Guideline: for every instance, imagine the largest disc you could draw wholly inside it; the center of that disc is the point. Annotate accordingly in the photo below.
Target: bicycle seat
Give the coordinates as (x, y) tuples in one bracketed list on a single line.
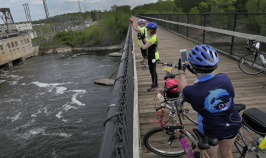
[(204, 141), (240, 107), (255, 120)]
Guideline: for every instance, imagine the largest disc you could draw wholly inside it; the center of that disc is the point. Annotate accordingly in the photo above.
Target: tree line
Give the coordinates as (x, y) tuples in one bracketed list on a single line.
[(108, 28), (201, 6)]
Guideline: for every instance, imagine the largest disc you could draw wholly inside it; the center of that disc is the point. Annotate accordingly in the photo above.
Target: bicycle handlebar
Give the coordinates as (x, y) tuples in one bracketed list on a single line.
[(252, 47), (168, 64)]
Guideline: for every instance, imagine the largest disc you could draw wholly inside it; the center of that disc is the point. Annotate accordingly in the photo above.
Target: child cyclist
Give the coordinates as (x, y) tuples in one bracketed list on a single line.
[(152, 50), (142, 30), (212, 96)]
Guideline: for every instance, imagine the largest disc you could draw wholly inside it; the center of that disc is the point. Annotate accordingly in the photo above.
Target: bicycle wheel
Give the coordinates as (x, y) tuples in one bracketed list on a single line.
[(251, 65), (193, 114), (247, 144), (157, 140)]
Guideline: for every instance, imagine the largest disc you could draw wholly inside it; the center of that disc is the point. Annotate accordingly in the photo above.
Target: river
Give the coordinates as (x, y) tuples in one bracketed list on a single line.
[(50, 106)]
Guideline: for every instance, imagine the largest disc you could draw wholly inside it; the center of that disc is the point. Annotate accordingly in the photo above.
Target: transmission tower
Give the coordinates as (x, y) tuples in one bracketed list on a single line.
[(46, 9), (85, 8), (79, 6), (27, 11), (6, 17)]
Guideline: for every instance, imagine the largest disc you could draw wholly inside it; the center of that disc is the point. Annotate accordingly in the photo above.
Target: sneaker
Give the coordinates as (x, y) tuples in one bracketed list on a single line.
[(145, 67), (152, 89), (155, 86)]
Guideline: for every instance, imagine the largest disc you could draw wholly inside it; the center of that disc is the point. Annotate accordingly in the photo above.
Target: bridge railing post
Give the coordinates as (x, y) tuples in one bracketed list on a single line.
[(233, 37), (187, 23), (204, 32)]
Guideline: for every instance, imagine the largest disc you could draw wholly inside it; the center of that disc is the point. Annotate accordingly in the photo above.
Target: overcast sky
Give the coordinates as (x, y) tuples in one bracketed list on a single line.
[(56, 7)]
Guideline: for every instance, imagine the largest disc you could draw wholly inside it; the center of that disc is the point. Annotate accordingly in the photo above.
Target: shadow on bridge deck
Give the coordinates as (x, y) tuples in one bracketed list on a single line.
[(248, 88)]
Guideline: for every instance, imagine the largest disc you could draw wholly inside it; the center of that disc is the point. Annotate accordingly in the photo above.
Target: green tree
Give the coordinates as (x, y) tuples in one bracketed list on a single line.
[(203, 7), (256, 5), (221, 5), (158, 7), (187, 5), (94, 15), (240, 5), (194, 10)]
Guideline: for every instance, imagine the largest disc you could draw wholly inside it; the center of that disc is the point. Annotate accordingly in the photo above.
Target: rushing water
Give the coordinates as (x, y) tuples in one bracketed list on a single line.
[(50, 106)]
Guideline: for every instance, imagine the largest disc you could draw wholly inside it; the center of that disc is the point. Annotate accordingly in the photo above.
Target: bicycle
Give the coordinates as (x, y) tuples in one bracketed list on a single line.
[(252, 136), (254, 63), (170, 138), (168, 96)]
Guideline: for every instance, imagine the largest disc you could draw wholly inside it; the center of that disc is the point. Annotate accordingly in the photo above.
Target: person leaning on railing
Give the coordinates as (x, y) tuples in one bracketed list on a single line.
[(212, 96), (141, 29), (151, 46)]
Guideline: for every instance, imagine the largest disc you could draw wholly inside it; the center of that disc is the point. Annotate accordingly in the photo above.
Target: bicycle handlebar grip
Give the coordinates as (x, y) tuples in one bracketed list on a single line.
[(171, 88)]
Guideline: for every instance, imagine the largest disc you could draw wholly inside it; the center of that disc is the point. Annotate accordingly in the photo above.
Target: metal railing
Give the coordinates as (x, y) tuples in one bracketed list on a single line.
[(118, 135), (225, 31)]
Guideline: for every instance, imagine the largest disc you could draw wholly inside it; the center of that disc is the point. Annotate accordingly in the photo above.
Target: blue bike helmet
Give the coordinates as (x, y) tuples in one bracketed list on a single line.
[(203, 58), (152, 25)]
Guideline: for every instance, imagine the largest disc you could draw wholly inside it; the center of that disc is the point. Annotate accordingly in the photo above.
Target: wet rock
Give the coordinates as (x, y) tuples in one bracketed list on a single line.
[(105, 81), (108, 81), (115, 54), (50, 51), (63, 50)]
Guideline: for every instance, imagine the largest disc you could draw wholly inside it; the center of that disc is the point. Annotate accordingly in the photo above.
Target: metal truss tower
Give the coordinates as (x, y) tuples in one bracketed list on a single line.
[(27, 11), (46, 9), (79, 6), (6, 17)]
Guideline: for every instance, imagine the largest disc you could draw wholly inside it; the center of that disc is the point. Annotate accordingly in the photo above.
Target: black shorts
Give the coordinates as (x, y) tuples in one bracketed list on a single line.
[(230, 137), (144, 53)]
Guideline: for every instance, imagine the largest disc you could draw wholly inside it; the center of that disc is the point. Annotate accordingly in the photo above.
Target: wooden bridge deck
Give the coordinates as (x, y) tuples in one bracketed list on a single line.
[(248, 88)]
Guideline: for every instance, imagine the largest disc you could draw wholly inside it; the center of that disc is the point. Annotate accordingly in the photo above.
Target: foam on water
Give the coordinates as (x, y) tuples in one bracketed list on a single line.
[(74, 97), (103, 66), (14, 118), (60, 90)]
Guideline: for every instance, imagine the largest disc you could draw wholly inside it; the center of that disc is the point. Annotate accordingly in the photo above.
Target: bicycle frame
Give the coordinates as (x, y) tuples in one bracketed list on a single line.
[(178, 108)]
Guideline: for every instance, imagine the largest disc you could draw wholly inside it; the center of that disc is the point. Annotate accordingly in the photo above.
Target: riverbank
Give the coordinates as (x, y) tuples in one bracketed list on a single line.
[(64, 49)]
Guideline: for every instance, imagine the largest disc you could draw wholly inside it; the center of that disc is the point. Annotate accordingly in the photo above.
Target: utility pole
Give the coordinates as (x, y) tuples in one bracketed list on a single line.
[(80, 14)]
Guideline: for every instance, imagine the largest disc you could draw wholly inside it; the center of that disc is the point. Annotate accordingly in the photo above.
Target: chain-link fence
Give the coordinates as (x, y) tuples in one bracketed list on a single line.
[(118, 135), (200, 28)]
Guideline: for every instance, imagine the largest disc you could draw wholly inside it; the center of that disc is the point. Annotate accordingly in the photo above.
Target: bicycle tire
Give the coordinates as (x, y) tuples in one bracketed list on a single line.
[(248, 65), (247, 146), (156, 140)]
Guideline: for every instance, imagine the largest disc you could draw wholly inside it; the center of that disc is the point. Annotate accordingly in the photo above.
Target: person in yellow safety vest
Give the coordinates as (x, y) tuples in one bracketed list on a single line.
[(153, 55), (142, 30)]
